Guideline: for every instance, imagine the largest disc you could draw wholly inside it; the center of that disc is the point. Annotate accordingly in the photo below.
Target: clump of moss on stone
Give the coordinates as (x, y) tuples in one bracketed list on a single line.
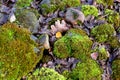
[(17, 56), (105, 2), (89, 10), (88, 70), (116, 69), (103, 32), (45, 74), (113, 17), (74, 44), (51, 5)]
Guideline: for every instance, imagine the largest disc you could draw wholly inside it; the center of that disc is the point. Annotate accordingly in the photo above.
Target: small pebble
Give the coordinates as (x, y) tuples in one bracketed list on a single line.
[(94, 56)]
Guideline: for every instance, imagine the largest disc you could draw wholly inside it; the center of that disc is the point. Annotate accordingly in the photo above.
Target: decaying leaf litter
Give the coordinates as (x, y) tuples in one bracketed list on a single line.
[(64, 32)]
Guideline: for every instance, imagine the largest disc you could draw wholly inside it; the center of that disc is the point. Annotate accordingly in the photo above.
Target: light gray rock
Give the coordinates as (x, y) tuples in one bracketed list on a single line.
[(74, 15)]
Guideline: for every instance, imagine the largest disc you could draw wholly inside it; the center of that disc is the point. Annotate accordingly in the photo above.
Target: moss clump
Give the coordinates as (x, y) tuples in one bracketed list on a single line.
[(113, 17), (74, 44), (88, 70), (46, 58), (51, 5), (89, 10), (23, 3), (103, 32), (102, 53), (17, 56), (105, 2), (114, 42), (45, 74), (116, 69)]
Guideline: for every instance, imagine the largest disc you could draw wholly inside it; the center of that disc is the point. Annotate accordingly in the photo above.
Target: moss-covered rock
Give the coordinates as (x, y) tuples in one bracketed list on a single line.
[(116, 69), (89, 10), (113, 17), (49, 6), (105, 2), (26, 18), (17, 56), (88, 70), (45, 74), (103, 32), (74, 44)]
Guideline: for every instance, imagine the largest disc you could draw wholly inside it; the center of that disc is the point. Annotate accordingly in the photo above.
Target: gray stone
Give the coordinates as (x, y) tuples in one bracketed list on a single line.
[(74, 15)]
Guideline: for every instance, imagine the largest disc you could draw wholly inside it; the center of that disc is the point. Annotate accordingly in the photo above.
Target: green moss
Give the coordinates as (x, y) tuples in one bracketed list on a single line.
[(89, 10), (23, 3), (114, 42), (17, 56), (62, 48), (105, 2), (46, 58), (45, 74), (66, 73), (53, 5), (113, 17), (74, 44), (116, 69), (103, 54), (103, 32), (88, 70)]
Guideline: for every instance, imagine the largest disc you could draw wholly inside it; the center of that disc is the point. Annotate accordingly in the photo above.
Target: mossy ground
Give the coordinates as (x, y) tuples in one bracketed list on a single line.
[(23, 3), (89, 10), (17, 56), (88, 70), (45, 74), (105, 2), (116, 69), (112, 18), (54, 5)]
